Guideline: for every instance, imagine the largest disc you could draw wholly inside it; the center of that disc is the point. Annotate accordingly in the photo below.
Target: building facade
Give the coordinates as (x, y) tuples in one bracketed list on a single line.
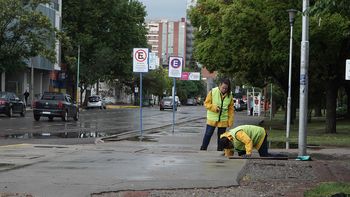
[(41, 75), (167, 38)]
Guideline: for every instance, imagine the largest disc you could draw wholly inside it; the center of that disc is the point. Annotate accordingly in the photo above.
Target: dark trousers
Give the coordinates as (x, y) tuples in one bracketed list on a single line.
[(263, 150), (207, 136)]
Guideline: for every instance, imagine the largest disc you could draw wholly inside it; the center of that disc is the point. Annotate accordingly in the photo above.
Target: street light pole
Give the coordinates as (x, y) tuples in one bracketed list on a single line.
[(291, 13), (78, 69), (304, 64)]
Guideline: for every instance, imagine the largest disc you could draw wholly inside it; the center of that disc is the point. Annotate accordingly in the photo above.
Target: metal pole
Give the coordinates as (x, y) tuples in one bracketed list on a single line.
[(174, 81), (31, 82), (289, 100), (271, 104), (78, 70), (253, 113), (141, 132), (304, 64)]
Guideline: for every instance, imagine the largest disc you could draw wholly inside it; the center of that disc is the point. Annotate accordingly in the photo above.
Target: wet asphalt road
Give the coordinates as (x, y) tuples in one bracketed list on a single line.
[(91, 124)]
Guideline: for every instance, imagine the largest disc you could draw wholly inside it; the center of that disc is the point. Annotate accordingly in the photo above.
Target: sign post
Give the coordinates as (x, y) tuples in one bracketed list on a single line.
[(175, 71), (347, 70), (140, 64)]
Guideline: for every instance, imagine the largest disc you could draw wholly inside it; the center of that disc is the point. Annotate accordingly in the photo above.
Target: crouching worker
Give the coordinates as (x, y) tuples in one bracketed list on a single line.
[(243, 139)]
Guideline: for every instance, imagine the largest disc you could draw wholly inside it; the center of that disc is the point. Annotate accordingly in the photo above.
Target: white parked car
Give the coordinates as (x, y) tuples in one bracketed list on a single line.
[(110, 100), (96, 101)]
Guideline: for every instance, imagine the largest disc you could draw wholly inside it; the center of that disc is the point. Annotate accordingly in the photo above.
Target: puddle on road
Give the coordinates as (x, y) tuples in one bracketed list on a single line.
[(55, 135), (141, 139)]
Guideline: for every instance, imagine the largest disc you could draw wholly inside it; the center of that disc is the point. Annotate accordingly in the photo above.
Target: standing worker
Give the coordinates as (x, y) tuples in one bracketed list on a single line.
[(243, 139), (220, 112)]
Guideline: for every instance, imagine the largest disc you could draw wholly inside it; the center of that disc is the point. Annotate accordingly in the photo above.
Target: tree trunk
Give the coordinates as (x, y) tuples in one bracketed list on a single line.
[(98, 87), (331, 102), (347, 90), (87, 94), (318, 111)]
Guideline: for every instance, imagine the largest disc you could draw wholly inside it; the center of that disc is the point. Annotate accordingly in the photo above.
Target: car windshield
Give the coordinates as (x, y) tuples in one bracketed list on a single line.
[(167, 99), (94, 98), (58, 97)]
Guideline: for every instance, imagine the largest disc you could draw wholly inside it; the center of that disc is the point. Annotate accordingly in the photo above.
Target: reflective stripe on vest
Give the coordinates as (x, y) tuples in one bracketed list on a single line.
[(223, 104)]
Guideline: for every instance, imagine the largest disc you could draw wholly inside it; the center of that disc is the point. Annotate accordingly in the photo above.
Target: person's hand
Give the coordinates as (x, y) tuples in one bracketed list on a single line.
[(246, 156), (218, 109)]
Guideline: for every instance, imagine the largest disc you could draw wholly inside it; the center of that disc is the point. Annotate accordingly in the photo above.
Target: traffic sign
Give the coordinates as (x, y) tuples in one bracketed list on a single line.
[(153, 61), (347, 70), (140, 60), (175, 66), (193, 76)]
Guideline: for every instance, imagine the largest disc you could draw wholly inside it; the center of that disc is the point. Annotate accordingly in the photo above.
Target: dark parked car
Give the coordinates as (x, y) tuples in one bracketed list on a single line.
[(54, 104), (167, 103), (239, 105), (11, 104), (191, 101)]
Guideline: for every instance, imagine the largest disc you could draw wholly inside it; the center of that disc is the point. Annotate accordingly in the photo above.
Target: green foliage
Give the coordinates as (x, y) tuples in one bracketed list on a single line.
[(156, 82), (248, 39), (106, 32), (250, 42), (329, 189), (190, 89), (24, 33)]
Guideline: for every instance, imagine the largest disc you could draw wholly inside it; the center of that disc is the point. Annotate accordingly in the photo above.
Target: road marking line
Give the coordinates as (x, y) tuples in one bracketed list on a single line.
[(14, 145)]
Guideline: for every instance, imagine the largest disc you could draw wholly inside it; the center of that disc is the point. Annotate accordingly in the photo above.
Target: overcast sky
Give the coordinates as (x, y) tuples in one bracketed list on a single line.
[(165, 9)]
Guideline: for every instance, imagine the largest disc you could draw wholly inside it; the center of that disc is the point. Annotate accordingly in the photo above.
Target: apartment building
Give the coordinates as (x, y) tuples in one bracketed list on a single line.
[(167, 38)]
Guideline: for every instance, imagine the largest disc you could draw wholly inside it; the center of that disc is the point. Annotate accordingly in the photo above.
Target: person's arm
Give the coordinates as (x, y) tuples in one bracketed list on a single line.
[(243, 137), (209, 105), (231, 115)]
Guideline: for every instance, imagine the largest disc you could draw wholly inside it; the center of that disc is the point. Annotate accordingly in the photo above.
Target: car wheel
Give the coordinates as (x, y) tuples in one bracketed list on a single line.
[(65, 116), (10, 114), (36, 117), (23, 113), (76, 116), (50, 118), (161, 109)]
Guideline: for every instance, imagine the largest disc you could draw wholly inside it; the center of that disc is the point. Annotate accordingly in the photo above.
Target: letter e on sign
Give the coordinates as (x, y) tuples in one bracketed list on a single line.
[(140, 60), (175, 67)]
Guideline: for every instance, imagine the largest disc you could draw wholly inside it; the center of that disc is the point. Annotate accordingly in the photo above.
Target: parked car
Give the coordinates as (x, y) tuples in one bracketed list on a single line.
[(191, 101), (53, 104), (167, 103), (10, 104), (239, 104), (109, 100), (96, 101), (177, 100)]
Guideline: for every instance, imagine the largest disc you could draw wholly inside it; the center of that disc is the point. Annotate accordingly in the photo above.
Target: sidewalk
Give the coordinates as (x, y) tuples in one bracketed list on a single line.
[(161, 160)]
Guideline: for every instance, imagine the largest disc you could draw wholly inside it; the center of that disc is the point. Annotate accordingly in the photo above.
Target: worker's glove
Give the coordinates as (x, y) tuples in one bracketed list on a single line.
[(245, 156)]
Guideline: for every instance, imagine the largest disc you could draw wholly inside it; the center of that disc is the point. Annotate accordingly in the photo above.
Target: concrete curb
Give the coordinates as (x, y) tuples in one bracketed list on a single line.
[(120, 106)]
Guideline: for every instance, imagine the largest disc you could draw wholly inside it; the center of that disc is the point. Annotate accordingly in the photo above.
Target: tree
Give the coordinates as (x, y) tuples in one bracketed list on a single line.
[(330, 32), (156, 82), (245, 39), (106, 33), (24, 33), (249, 39)]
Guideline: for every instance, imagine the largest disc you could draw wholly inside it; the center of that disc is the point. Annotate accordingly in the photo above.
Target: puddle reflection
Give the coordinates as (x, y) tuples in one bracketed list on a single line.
[(47, 135)]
